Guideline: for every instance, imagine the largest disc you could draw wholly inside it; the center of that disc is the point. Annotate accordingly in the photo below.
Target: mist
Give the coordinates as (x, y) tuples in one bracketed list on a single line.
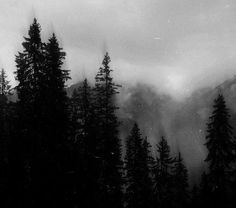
[(175, 46), (126, 103), (163, 52)]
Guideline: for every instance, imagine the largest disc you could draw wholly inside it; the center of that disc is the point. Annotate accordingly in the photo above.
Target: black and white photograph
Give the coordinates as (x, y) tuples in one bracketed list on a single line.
[(117, 103)]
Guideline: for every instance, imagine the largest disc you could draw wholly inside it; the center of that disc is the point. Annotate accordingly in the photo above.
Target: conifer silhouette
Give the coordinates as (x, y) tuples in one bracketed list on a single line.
[(138, 175), (220, 145), (109, 147)]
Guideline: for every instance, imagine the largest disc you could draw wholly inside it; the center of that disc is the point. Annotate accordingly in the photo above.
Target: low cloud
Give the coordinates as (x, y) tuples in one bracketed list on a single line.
[(176, 46)]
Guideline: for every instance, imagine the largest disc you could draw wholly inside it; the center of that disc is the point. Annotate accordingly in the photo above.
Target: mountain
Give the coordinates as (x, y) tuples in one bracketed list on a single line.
[(183, 123)]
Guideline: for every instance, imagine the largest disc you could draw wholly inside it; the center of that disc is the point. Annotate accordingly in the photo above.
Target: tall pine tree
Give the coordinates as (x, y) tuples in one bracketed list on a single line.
[(205, 193), (42, 118), (54, 158), (180, 183), (220, 145), (83, 134), (138, 174), (5, 91), (163, 175), (29, 74), (109, 147), (5, 87), (195, 197), (55, 107)]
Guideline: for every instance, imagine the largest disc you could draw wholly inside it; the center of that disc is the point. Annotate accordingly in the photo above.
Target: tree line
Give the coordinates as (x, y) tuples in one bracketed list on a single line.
[(60, 151)]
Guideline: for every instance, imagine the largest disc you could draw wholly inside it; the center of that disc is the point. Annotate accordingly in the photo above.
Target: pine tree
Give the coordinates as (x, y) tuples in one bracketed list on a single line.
[(5, 90), (73, 116), (133, 175), (86, 123), (205, 194), (83, 132), (5, 87), (54, 160), (109, 148), (55, 101), (29, 71), (163, 175), (220, 145), (180, 183), (29, 74), (148, 163), (195, 197), (85, 112), (139, 184), (42, 117)]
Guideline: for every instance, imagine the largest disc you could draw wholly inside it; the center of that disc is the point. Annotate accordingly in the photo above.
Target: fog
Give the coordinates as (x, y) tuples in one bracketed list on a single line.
[(183, 123), (163, 52), (177, 46)]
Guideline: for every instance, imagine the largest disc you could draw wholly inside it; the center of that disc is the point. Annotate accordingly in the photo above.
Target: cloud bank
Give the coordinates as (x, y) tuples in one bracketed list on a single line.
[(177, 46)]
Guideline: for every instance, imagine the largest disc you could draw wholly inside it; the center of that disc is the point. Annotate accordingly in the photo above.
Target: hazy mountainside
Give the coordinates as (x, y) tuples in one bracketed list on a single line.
[(183, 123), (73, 87)]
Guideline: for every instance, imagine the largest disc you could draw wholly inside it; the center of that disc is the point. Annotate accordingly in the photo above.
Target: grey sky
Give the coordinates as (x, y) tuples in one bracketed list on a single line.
[(175, 45)]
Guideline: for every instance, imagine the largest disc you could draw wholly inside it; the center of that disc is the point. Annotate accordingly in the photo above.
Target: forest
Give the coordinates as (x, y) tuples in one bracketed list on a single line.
[(65, 151)]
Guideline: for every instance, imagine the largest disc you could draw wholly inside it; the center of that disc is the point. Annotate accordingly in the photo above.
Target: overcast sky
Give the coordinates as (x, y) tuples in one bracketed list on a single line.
[(175, 45)]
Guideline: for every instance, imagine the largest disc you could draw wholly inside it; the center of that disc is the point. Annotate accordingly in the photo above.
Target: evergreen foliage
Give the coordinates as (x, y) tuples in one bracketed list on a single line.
[(180, 183), (5, 87), (138, 175), (220, 145), (109, 147), (60, 151), (29, 74), (5, 91), (83, 137), (163, 178)]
